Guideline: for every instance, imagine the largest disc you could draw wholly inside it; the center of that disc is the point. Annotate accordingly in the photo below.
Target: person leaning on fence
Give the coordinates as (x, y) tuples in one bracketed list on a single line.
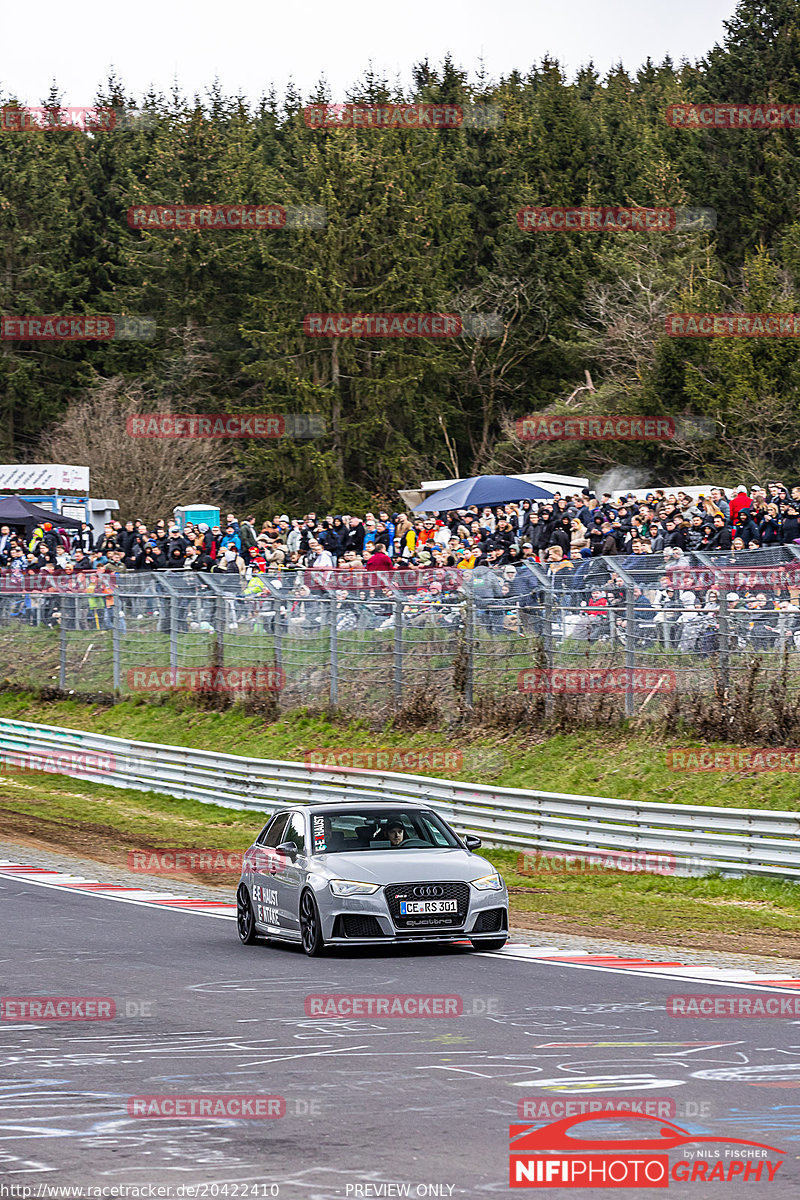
[(559, 568)]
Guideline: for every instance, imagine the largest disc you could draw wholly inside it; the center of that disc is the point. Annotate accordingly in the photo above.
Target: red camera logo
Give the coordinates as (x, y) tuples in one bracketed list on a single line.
[(557, 1156)]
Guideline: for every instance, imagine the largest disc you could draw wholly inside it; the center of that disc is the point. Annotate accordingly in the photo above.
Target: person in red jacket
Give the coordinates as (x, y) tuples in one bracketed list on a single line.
[(740, 500), (379, 561)]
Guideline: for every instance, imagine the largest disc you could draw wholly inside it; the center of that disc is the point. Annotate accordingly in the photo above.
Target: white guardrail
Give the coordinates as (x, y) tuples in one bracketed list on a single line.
[(694, 839)]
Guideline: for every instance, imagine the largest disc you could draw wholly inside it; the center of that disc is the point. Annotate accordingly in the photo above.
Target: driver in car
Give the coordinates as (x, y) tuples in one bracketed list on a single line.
[(396, 833)]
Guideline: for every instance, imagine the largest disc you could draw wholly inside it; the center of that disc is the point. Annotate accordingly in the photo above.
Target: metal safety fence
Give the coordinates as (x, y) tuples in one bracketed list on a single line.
[(637, 628), (683, 839)]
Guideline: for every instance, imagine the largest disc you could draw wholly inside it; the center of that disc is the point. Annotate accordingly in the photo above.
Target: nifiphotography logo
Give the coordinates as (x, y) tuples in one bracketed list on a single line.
[(554, 1156)]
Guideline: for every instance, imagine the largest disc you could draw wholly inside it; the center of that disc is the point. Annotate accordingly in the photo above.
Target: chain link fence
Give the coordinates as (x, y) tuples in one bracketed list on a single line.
[(636, 628)]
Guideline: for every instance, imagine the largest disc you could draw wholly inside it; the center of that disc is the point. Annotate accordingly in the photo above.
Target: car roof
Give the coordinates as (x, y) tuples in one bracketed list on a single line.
[(333, 806)]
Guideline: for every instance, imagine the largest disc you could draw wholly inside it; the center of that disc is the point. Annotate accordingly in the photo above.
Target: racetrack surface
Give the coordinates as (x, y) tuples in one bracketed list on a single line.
[(415, 1102)]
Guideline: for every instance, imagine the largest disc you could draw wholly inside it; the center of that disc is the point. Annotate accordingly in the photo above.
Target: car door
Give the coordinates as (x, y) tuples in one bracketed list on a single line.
[(288, 877), (266, 905)]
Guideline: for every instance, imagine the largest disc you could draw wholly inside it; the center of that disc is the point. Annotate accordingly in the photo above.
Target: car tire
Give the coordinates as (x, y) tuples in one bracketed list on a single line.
[(490, 944), (311, 926), (245, 917)]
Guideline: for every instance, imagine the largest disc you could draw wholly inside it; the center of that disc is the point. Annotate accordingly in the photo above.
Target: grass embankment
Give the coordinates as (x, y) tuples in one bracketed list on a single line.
[(103, 823)]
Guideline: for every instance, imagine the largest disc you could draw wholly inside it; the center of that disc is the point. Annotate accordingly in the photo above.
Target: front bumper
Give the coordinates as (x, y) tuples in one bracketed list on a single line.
[(367, 920)]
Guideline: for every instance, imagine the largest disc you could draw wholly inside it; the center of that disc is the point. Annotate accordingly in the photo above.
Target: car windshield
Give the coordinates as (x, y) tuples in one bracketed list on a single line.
[(378, 829)]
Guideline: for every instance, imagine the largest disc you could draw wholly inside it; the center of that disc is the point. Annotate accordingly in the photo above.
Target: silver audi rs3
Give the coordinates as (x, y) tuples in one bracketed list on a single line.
[(368, 874)]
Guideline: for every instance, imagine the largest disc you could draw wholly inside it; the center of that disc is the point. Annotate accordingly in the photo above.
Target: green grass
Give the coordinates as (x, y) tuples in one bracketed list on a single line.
[(657, 903), (629, 765), (126, 817)]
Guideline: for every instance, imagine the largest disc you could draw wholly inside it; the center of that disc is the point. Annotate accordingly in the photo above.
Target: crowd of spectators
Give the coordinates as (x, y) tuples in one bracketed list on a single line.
[(564, 537), (569, 528)]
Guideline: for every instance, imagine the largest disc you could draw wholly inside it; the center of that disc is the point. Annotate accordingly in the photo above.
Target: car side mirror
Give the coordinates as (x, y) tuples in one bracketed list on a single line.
[(472, 842), (289, 849)]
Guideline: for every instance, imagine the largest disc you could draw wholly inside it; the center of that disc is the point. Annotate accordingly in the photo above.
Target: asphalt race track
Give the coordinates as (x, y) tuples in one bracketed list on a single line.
[(376, 1106)]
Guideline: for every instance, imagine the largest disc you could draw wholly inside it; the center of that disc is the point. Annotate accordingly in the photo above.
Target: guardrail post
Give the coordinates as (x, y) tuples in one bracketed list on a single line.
[(469, 646), (398, 652), (62, 658), (115, 639), (221, 622), (547, 640), (277, 633), (630, 648), (724, 641), (333, 607), (173, 632)]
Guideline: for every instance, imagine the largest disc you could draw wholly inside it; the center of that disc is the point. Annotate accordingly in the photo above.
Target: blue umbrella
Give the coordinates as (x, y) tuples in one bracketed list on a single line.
[(482, 490)]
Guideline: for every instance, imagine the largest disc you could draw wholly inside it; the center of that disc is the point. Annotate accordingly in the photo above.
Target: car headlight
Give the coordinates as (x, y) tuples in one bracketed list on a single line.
[(351, 887), (488, 883)]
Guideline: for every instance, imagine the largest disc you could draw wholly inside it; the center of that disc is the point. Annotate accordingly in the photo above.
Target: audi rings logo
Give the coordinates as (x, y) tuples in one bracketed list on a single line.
[(427, 891)]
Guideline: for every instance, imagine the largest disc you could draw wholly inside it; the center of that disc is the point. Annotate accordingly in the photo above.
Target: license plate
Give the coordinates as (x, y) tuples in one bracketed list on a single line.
[(416, 908)]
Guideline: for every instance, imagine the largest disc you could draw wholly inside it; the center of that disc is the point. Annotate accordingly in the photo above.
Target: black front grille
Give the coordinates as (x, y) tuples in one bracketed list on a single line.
[(355, 926), (490, 921), (433, 890)]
